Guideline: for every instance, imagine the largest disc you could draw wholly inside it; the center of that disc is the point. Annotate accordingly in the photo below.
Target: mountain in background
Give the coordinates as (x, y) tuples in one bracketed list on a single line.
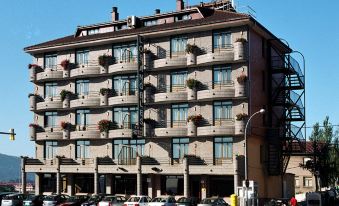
[(10, 170)]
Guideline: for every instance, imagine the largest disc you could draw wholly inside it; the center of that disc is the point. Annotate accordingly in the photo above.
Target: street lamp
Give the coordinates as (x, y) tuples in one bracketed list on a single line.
[(261, 111)]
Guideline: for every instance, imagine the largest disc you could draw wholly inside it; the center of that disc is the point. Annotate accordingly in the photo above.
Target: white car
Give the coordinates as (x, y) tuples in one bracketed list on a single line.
[(112, 201), (138, 201), (163, 201)]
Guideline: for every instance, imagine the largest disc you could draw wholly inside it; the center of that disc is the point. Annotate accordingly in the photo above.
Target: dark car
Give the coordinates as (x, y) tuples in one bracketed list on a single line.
[(93, 200), (187, 201), (15, 199), (3, 194), (213, 201), (54, 200), (75, 200), (34, 200)]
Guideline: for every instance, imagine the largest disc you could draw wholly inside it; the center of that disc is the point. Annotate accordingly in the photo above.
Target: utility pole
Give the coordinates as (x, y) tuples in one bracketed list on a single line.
[(315, 153), (11, 134)]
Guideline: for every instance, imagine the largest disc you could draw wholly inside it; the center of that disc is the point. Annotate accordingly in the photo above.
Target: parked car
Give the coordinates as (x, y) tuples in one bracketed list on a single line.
[(113, 200), (13, 200), (34, 200), (3, 194), (54, 200), (162, 201), (213, 201), (187, 201), (75, 200), (138, 201), (93, 200)]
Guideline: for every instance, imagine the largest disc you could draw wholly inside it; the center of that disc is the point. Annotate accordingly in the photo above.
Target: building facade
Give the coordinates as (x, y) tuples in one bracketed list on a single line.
[(204, 70)]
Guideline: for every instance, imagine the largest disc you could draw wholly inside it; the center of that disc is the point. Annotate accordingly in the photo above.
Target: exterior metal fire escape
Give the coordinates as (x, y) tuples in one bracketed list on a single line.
[(286, 135)]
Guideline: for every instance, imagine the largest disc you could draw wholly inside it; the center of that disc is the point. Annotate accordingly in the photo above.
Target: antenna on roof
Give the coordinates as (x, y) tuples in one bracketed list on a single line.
[(247, 9)]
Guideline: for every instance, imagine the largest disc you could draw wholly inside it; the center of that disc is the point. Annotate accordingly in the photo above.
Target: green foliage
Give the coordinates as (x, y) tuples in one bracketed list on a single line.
[(193, 83), (104, 60), (104, 125), (191, 49), (105, 91), (64, 94)]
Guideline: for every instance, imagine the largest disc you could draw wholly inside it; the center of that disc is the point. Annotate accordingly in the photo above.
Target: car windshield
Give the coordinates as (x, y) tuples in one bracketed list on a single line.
[(30, 197), (72, 199), (133, 199), (110, 198), (10, 197), (159, 199), (184, 199), (208, 201), (50, 198), (94, 198)]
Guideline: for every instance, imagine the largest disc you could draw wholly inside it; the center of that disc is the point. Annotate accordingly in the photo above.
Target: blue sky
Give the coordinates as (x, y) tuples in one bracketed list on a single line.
[(309, 26)]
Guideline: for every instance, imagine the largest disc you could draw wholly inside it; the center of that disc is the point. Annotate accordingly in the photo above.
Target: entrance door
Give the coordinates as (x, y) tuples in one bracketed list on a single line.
[(195, 186)]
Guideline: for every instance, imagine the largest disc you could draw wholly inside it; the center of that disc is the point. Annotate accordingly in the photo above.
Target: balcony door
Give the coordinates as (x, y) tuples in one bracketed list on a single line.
[(222, 112), (50, 149), (125, 117), (178, 81), (222, 76), (125, 85), (125, 53), (179, 115), (178, 46), (222, 40), (82, 150)]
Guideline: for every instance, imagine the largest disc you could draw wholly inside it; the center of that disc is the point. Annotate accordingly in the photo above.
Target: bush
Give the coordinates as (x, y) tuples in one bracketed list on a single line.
[(191, 49), (150, 121), (65, 125), (193, 83), (65, 64), (196, 119), (64, 94), (241, 116), (104, 60), (104, 125), (242, 78), (105, 91)]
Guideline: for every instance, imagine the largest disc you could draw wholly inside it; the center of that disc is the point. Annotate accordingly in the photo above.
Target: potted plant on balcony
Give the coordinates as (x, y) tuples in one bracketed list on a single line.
[(192, 85), (33, 128), (239, 49), (240, 123), (65, 96), (149, 125), (104, 126), (66, 128), (193, 122), (104, 61), (191, 54), (65, 64), (32, 101), (240, 87), (33, 70), (104, 93)]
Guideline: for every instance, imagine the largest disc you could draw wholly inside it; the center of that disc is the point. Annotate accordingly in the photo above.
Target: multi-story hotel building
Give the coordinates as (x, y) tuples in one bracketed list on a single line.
[(203, 71)]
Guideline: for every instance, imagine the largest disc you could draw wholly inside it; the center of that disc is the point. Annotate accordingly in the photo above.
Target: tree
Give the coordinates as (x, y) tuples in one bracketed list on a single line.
[(324, 162)]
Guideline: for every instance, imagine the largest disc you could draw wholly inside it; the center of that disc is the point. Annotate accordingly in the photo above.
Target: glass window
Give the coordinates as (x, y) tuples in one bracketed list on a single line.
[(222, 75), (117, 144), (223, 148), (82, 149), (297, 182), (178, 46), (308, 182), (179, 114), (50, 61), (172, 185), (125, 117), (179, 147), (128, 150), (183, 17), (51, 90), (151, 22), (222, 112), (50, 119), (82, 57), (82, 87), (125, 85), (125, 53), (92, 31), (82, 117), (50, 149), (222, 40), (178, 81)]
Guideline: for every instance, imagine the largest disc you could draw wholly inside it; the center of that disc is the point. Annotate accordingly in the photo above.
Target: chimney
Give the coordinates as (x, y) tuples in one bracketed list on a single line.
[(157, 11), (180, 5), (115, 14)]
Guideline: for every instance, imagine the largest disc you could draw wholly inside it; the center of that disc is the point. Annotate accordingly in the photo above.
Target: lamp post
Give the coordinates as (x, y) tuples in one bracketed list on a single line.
[(261, 111)]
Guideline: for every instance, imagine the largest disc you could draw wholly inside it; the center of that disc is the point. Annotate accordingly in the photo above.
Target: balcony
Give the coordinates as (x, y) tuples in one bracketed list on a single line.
[(92, 99), (215, 90), (171, 129), (124, 65), (123, 100), (50, 134), (50, 103), (174, 61), (49, 75), (92, 68), (216, 56), (219, 128), (85, 132), (124, 130), (174, 93)]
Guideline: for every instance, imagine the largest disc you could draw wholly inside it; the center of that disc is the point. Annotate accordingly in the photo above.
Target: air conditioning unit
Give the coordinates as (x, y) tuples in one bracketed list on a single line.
[(132, 21)]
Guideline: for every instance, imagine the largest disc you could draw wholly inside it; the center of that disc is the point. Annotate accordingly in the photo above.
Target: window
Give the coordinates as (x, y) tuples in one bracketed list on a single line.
[(172, 185), (178, 81), (179, 114), (50, 149), (82, 149), (125, 53), (50, 119), (117, 144), (183, 17), (222, 112), (51, 90), (179, 147), (125, 85), (82, 87), (222, 75), (222, 40), (223, 149), (81, 57), (178, 46), (137, 145), (82, 117), (297, 182), (308, 182), (92, 31), (50, 61), (125, 117), (151, 22), (120, 27)]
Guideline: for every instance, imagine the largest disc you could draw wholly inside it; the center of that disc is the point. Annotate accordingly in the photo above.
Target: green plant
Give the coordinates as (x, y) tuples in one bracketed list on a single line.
[(191, 49), (105, 91), (65, 94), (65, 125), (242, 40), (35, 126), (193, 83), (150, 86), (150, 121), (196, 119), (104, 125), (242, 78), (104, 60), (65, 64), (241, 116)]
